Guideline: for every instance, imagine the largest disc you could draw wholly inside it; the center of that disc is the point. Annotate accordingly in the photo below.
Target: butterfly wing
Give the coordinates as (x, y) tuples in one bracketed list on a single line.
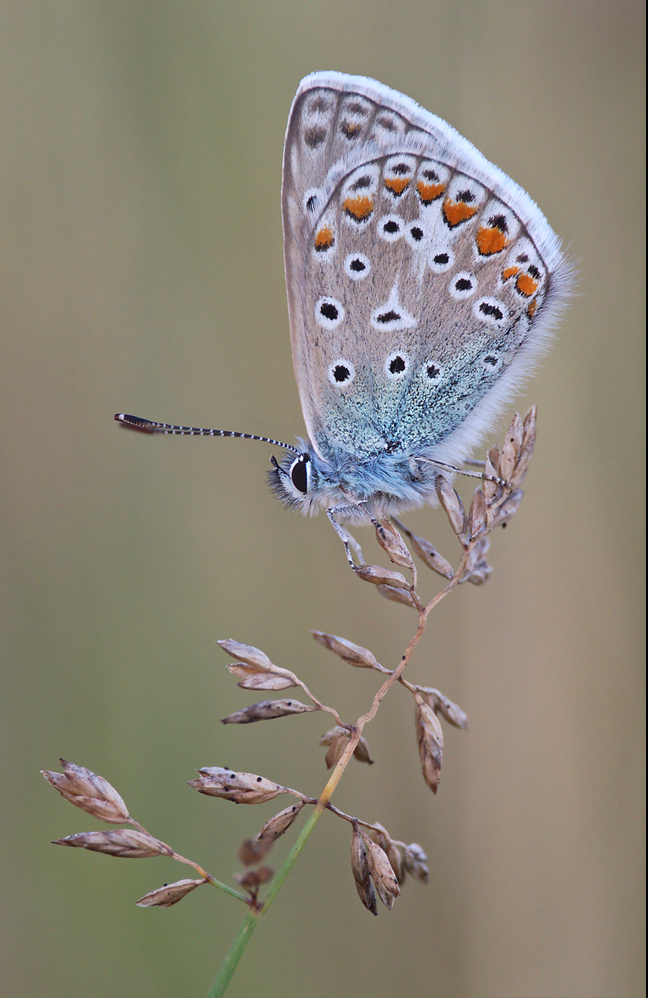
[(421, 279)]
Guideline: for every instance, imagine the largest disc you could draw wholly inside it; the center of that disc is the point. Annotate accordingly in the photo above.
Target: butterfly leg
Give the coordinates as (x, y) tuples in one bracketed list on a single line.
[(347, 539), (465, 472)]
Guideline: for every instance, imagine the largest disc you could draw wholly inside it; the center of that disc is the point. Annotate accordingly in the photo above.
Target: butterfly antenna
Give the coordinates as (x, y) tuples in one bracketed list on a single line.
[(150, 426)]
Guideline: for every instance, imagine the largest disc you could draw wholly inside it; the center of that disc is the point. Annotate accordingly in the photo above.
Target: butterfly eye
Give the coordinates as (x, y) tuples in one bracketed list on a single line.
[(299, 473)]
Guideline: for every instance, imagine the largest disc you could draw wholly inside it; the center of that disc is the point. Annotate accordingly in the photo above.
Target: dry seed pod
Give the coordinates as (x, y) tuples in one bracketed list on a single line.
[(480, 574), (526, 449), (477, 568), (260, 680), (395, 857), (508, 467), (397, 595), (266, 710), (361, 751), (248, 654), (394, 850), (241, 788), (441, 704), (379, 576), (170, 894), (378, 834), (280, 822), (392, 542), (251, 880), (476, 553), (490, 488), (415, 862), (252, 851), (336, 739), (509, 454), (430, 742), (493, 458), (90, 792), (522, 466), (431, 557), (508, 509), (452, 504), (347, 650), (382, 873), (477, 513), (361, 875), (515, 434), (126, 843), (529, 427)]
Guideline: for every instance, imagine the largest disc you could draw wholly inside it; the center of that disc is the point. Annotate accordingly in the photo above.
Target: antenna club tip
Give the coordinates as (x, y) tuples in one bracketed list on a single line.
[(133, 422)]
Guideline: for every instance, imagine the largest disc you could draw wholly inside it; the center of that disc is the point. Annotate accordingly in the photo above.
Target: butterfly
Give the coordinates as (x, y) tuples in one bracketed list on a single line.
[(422, 284)]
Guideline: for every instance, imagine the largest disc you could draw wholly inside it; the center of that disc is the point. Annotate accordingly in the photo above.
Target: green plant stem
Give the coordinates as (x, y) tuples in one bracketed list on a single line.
[(237, 949), (239, 944), (233, 955)]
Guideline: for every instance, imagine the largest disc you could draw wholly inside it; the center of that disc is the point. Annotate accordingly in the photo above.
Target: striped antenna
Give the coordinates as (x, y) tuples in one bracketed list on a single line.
[(149, 426)]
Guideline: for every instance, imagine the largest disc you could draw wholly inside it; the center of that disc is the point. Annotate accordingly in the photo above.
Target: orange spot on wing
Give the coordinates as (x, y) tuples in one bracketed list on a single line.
[(397, 184), (429, 192), (510, 272), (531, 309), (490, 241), (324, 239), (359, 208), (350, 129), (456, 212), (526, 285)]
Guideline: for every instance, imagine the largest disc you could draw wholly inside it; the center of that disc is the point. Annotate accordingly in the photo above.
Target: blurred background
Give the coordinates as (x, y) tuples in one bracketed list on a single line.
[(142, 271)]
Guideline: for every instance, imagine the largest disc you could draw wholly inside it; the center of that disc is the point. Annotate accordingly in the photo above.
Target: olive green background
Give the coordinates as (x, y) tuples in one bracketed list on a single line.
[(142, 270)]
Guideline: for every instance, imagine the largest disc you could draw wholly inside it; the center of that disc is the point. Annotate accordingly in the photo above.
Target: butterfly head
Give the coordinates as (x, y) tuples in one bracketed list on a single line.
[(293, 481)]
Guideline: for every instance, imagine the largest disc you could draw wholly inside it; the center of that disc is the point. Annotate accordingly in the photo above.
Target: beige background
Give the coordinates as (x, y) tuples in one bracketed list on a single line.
[(142, 270)]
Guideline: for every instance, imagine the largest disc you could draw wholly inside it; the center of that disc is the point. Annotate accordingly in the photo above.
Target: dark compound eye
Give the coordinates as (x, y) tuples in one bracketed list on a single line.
[(299, 473)]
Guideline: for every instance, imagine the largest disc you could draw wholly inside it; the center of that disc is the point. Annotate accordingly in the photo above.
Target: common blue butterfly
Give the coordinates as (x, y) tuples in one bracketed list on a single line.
[(422, 284)]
